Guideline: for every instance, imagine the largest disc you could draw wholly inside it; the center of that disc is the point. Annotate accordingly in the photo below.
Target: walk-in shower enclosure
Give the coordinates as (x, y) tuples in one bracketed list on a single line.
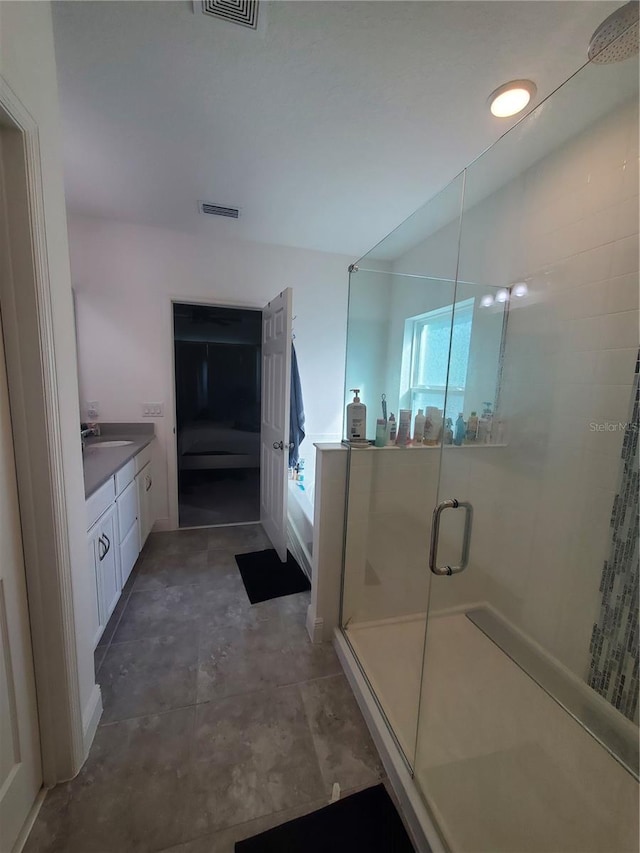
[(510, 685)]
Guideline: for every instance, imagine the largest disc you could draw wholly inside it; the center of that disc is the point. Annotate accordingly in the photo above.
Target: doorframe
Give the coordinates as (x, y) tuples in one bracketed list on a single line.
[(172, 437), (33, 390)]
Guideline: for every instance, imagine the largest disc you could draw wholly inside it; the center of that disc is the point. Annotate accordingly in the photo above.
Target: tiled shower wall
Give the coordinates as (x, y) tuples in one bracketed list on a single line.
[(569, 370)]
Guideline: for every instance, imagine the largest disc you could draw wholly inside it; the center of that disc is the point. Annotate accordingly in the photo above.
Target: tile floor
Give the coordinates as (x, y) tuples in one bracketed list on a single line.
[(220, 720)]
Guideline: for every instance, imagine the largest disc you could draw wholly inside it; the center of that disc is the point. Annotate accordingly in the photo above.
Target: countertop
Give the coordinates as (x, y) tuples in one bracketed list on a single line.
[(100, 464)]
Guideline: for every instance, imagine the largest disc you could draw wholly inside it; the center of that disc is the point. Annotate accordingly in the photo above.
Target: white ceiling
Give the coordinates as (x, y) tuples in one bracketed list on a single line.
[(327, 128)]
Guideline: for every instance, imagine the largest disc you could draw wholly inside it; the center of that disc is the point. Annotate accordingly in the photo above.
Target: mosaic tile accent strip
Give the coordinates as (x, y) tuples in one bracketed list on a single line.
[(614, 640)]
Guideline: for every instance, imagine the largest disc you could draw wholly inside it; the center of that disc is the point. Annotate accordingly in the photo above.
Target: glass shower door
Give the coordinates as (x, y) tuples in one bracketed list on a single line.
[(527, 732), (398, 333)]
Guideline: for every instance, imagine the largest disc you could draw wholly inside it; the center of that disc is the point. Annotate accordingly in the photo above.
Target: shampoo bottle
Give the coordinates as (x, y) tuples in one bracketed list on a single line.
[(472, 427), (418, 427), (404, 428), (392, 429), (381, 432), (448, 432), (460, 430), (356, 420)]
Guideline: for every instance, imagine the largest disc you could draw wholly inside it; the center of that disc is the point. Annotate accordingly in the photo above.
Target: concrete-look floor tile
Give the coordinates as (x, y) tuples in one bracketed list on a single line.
[(271, 652), (253, 755), (176, 542), (113, 805), (225, 604), (239, 539), (158, 571), (114, 619), (159, 613), (149, 676), (285, 605), (345, 750), (224, 840)]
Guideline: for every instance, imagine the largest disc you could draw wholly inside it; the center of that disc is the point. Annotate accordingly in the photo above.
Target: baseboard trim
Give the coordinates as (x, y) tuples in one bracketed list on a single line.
[(315, 626), (162, 525), (91, 718)]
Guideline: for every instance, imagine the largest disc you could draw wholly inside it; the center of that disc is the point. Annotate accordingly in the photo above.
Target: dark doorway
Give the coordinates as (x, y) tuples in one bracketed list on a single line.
[(217, 370)]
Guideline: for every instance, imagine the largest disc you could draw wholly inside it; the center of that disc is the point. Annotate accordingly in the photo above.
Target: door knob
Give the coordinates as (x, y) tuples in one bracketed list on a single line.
[(278, 445)]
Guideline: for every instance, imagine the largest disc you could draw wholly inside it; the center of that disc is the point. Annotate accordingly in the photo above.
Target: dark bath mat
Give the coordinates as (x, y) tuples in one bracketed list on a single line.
[(265, 577), (367, 821)]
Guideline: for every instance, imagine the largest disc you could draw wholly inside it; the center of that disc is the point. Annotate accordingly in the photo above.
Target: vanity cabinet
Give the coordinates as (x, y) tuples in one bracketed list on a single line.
[(119, 519), (103, 557)]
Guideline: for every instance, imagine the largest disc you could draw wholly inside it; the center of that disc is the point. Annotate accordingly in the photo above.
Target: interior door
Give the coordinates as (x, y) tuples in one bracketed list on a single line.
[(276, 398), (20, 768)]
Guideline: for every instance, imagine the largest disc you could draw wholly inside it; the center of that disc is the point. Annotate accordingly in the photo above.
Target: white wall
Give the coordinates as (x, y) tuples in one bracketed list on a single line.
[(124, 277), (27, 63)]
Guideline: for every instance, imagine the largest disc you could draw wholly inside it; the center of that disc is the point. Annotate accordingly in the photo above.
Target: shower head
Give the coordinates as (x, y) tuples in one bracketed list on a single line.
[(617, 36)]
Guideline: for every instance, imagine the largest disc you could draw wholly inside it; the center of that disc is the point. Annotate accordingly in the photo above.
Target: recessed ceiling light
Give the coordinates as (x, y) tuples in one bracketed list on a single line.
[(511, 98)]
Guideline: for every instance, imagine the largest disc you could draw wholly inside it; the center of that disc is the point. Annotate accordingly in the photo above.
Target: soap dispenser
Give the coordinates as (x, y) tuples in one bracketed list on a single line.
[(356, 420)]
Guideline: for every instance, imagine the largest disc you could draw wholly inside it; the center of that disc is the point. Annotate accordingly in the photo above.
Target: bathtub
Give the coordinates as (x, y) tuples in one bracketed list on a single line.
[(300, 523)]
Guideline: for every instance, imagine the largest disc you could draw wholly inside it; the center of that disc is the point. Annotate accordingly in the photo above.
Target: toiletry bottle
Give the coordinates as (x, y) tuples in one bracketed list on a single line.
[(484, 424), (460, 431), (404, 428), (418, 427), (356, 419), (381, 432), (433, 427), (472, 427), (392, 429), (448, 432)]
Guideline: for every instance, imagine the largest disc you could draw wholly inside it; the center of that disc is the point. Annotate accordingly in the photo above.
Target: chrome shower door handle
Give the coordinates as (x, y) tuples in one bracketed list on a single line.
[(435, 535)]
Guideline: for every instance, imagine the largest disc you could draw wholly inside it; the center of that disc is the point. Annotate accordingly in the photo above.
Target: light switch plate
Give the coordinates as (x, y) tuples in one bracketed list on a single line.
[(93, 410), (153, 410)]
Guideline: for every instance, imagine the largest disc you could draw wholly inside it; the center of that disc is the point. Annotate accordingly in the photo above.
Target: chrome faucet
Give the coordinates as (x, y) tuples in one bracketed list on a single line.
[(87, 430)]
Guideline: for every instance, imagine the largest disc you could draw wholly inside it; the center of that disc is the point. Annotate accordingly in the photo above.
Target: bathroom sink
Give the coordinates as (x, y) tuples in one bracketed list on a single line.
[(111, 444)]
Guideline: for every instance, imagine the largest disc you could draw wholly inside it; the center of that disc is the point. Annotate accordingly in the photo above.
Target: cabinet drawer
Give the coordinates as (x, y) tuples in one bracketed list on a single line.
[(127, 504), (99, 502), (125, 476), (143, 458)]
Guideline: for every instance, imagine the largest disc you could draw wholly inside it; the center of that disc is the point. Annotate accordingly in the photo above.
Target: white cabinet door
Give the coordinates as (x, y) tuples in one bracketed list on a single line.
[(106, 563), (127, 504), (144, 481), (96, 622), (128, 530), (129, 550), (276, 398)]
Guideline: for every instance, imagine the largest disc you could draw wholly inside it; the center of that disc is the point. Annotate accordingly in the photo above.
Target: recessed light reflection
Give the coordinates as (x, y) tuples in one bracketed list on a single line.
[(502, 295), (520, 289), (487, 301)]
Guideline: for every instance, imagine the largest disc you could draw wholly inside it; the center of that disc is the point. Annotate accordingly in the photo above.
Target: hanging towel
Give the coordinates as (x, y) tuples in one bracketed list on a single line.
[(296, 413)]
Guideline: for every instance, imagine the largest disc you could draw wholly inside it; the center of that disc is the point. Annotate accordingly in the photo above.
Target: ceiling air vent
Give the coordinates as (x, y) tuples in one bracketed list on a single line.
[(218, 210), (243, 12)]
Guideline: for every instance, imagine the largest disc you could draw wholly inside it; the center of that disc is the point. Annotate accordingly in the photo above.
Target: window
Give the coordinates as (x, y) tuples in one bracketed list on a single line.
[(430, 360)]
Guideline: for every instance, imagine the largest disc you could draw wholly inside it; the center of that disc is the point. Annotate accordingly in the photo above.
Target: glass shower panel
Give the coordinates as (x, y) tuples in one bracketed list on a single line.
[(399, 326), (528, 734)]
